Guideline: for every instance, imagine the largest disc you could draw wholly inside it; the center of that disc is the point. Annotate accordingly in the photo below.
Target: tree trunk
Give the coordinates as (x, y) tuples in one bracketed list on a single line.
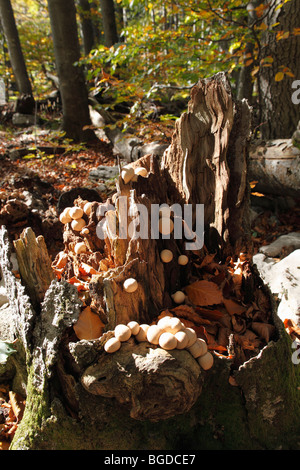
[(16, 56), (71, 78), (274, 166), (245, 82), (144, 396), (109, 22), (86, 26), (279, 116)]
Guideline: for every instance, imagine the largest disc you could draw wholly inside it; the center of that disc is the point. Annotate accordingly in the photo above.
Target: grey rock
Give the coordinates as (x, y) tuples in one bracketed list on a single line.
[(104, 173), (6, 322), (155, 148), (283, 279), (25, 120), (290, 242)]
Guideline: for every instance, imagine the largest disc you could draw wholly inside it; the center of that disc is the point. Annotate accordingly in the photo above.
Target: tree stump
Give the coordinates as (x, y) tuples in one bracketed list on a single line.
[(144, 396)]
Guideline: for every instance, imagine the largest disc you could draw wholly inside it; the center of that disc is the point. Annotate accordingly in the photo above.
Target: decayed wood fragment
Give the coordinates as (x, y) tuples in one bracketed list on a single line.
[(206, 161), (34, 265)]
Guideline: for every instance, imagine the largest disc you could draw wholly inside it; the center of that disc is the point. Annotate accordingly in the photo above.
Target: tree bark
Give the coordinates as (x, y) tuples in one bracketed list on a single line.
[(16, 55), (274, 167), (279, 116), (86, 26), (109, 22), (144, 397), (71, 77)]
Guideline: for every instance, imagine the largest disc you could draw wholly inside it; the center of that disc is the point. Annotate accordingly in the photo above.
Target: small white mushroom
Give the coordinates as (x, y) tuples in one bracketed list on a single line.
[(87, 209), (127, 174), (130, 285), (153, 334), (84, 231), (206, 361), (166, 226), (174, 325), (178, 297), (67, 211), (65, 218), (199, 348), (76, 212), (142, 334), (80, 248), (167, 341), (112, 345), (191, 335), (134, 326), (78, 224), (182, 339), (166, 256), (183, 260), (164, 321), (122, 332)]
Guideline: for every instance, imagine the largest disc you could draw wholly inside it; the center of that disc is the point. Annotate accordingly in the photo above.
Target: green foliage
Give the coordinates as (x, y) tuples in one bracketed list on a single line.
[(178, 43), (166, 42)]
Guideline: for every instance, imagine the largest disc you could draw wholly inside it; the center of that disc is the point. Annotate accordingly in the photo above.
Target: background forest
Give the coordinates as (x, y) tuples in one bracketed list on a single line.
[(138, 56)]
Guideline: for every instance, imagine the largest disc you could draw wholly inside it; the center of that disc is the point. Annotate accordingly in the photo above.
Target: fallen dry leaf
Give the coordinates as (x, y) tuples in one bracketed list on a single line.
[(204, 293), (264, 330), (17, 403), (212, 315), (4, 445), (78, 283), (187, 312), (232, 307), (292, 329), (207, 260), (89, 325), (86, 269)]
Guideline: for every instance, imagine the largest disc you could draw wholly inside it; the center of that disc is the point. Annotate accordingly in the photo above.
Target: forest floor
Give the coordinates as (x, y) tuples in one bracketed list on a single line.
[(36, 180)]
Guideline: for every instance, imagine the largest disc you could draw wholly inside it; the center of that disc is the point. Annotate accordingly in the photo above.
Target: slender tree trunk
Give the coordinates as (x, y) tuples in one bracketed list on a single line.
[(86, 25), (109, 22), (15, 52), (245, 85), (279, 115), (71, 77)]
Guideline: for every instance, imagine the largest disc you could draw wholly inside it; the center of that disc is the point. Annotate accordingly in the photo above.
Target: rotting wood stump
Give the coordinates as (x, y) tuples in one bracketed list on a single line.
[(78, 396)]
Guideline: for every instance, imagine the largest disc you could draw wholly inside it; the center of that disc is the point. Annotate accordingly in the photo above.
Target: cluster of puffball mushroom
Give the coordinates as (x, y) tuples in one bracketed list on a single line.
[(74, 216), (168, 333)]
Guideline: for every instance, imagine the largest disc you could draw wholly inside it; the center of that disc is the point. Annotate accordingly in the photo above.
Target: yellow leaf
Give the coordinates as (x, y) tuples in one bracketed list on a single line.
[(279, 76), (263, 27), (254, 71)]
